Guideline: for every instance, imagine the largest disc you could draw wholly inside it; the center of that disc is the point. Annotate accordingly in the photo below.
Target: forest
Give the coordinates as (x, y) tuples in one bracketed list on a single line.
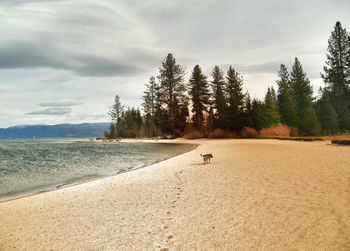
[(174, 106)]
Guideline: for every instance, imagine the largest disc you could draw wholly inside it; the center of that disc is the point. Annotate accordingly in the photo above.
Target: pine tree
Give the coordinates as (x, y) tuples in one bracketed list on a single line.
[(149, 105), (302, 94), (210, 120), (115, 113), (199, 94), (247, 103), (327, 115), (235, 98), (248, 108), (337, 74), (219, 102), (112, 131), (257, 114), (172, 90), (116, 110), (181, 115), (286, 105), (270, 112), (130, 123)]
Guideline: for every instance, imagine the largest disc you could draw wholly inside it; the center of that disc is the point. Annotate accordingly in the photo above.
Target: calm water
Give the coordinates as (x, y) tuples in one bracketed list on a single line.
[(28, 166)]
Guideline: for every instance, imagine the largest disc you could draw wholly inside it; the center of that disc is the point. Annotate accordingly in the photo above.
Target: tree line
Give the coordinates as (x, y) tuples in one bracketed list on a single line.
[(174, 106)]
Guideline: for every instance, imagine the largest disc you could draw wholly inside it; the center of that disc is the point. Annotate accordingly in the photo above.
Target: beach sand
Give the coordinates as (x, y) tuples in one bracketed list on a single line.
[(255, 195)]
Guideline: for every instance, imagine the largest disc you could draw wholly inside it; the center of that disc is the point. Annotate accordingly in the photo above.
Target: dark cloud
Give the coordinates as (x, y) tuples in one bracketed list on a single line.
[(89, 39), (52, 111), (102, 67), (16, 55)]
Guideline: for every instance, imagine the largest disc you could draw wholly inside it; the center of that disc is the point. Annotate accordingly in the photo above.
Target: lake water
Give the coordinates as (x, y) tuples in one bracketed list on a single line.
[(28, 166)]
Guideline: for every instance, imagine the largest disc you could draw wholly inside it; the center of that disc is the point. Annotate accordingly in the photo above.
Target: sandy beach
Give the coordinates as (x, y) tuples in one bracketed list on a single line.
[(254, 195)]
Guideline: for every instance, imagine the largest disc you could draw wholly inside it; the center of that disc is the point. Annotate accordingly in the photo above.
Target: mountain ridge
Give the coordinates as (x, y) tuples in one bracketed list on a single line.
[(54, 131)]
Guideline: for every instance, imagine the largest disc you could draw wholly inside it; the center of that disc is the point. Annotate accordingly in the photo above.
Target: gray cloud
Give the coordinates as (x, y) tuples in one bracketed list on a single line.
[(16, 55), (96, 49), (63, 102), (99, 66), (86, 38), (52, 111), (20, 54), (19, 2), (60, 103), (268, 67)]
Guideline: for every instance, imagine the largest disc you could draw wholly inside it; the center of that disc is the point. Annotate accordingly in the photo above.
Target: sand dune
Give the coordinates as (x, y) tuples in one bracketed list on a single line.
[(255, 195)]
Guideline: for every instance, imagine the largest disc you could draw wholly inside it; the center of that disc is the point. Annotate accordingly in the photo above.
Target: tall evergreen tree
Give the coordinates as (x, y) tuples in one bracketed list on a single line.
[(116, 110), (286, 105), (302, 94), (112, 131), (181, 115), (235, 98), (199, 94), (210, 120), (248, 108), (247, 102), (130, 123), (270, 113), (326, 114), (115, 114), (149, 105), (337, 74), (257, 114), (219, 101), (172, 89)]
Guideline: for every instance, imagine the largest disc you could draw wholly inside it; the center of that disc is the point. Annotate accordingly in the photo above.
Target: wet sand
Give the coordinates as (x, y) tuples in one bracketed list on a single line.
[(255, 195)]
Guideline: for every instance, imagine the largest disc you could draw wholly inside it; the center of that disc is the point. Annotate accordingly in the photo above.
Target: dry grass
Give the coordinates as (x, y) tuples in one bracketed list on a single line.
[(295, 138), (280, 130), (345, 136)]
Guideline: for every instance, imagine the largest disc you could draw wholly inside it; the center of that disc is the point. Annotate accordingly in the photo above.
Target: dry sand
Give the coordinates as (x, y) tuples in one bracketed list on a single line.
[(255, 195)]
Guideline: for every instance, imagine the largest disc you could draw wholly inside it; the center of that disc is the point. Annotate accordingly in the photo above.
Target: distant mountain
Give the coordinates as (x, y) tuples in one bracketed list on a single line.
[(54, 131)]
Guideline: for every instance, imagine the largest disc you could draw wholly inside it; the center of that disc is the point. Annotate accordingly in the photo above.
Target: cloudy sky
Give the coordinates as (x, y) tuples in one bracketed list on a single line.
[(64, 61)]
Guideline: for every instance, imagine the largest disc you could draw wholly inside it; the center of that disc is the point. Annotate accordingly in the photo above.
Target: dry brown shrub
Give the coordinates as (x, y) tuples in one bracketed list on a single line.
[(195, 134), (248, 132), (217, 133), (221, 134), (280, 130)]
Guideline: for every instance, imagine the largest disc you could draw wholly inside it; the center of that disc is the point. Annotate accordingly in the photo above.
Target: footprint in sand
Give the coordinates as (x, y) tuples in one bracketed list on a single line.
[(163, 249)]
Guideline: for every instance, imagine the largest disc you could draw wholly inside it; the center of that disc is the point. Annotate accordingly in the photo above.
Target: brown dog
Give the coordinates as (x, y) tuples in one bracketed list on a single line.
[(207, 157)]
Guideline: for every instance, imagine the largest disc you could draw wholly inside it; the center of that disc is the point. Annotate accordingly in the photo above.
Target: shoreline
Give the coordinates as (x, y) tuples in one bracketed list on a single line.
[(254, 194), (95, 177)]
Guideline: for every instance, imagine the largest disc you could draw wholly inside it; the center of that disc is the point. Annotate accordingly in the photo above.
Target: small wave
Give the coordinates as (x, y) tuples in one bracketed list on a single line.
[(56, 163)]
